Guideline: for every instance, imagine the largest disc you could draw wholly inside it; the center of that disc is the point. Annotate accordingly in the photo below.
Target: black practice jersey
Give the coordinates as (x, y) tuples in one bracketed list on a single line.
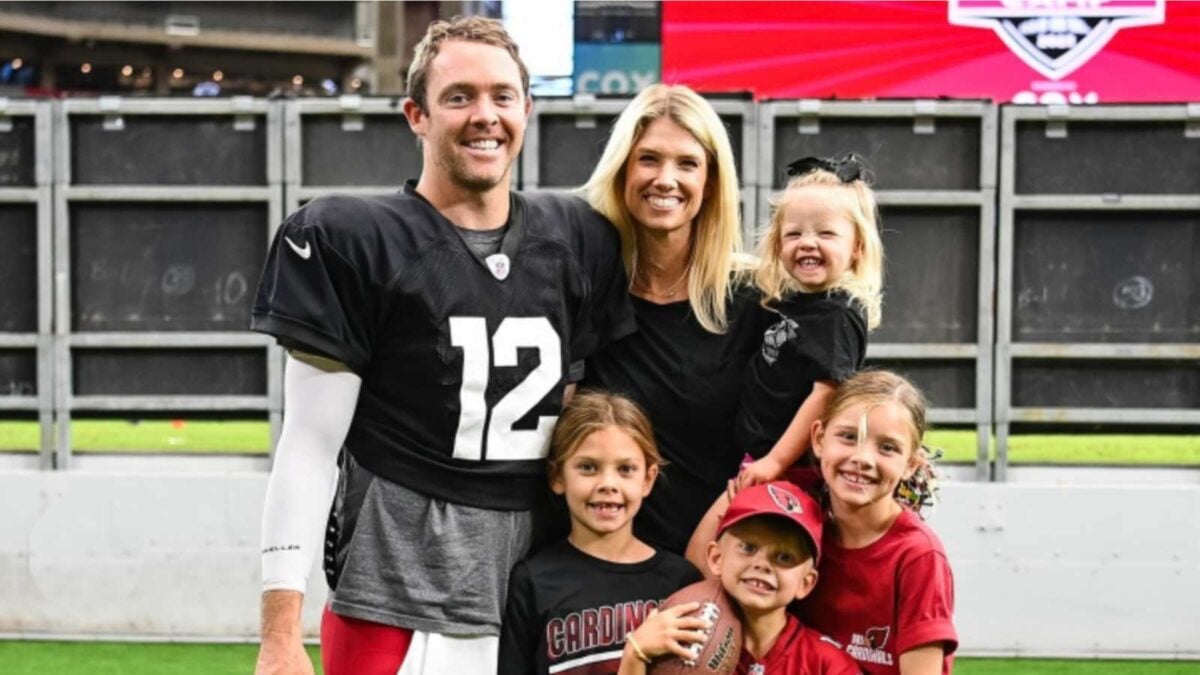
[(462, 358), (817, 336), (689, 381), (570, 611)]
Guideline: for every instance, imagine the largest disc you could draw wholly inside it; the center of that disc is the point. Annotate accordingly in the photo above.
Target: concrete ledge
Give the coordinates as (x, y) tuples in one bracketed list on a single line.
[(1045, 568)]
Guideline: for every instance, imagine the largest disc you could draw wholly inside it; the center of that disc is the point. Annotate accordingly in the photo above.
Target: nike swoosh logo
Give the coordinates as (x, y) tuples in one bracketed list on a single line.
[(302, 251)]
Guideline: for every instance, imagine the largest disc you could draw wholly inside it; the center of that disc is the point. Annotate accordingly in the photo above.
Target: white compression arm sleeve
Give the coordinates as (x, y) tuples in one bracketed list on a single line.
[(318, 407)]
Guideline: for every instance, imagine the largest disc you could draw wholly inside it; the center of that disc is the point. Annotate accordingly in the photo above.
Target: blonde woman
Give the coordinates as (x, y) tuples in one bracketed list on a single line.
[(667, 182)]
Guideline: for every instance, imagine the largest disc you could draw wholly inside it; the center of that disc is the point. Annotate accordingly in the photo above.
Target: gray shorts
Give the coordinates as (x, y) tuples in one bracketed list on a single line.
[(422, 563)]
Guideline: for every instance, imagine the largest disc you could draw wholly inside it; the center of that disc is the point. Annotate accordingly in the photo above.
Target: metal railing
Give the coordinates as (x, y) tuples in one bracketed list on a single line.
[(27, 217), (1099, 220), (935, 176), (150, 219), (138, 288)]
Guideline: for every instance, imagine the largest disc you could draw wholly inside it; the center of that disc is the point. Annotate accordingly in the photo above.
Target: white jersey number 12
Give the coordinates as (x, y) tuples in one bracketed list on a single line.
[(504, 442)]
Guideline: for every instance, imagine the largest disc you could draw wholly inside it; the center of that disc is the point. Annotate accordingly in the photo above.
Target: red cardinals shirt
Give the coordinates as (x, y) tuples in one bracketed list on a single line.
[(799, 651), (887, 598)]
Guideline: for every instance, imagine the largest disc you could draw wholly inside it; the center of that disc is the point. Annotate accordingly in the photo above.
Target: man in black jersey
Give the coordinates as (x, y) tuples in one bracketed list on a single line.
[(430, 337)]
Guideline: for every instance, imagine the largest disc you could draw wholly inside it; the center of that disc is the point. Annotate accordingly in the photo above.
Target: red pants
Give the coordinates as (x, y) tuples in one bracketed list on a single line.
[(356, 647)]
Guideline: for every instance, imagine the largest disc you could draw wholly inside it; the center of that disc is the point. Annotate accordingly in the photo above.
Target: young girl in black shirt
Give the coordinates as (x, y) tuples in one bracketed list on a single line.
[(822, 274), (571, 606)]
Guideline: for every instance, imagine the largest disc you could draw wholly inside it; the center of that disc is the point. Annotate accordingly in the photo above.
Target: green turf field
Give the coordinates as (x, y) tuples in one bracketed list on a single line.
[(182, 436), (1120, 449), (253, 437), (108, 658), (1073, 667), (133, 658)]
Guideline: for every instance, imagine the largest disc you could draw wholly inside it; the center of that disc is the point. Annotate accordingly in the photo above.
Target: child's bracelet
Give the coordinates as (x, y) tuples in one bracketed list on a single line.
[(637, 649)]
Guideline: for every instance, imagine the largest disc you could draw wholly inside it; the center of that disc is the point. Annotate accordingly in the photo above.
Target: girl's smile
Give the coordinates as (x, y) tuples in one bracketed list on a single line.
[(865, 451), (604, 482), (817, 242)]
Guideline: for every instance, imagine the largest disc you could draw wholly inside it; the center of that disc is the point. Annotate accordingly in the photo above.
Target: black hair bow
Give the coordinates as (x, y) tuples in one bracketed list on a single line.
[(848, 168)]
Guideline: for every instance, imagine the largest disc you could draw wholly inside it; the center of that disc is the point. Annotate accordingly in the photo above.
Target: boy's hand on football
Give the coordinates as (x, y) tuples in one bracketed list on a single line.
[(670, 630)]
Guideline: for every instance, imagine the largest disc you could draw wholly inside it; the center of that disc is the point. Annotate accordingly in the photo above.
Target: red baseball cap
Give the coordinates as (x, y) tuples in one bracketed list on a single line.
[(782, 499)]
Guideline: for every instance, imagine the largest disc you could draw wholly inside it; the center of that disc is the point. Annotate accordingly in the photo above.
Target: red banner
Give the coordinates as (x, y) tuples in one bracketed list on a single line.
[(1025, 51)]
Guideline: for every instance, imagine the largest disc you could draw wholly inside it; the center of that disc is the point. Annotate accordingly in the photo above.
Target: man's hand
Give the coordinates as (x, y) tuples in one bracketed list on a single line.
[(282, 649), (278, 656)]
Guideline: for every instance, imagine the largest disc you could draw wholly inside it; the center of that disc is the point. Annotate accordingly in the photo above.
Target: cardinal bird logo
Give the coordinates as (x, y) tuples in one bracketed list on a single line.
[(785, 500), (877, 637)]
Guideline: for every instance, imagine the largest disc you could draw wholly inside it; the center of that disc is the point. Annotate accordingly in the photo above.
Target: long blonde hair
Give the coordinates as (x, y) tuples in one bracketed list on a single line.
[(863, 281), (716, 233)]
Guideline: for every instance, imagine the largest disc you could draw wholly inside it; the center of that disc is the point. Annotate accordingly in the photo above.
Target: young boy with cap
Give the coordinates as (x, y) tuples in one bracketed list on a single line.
[(765, 554)]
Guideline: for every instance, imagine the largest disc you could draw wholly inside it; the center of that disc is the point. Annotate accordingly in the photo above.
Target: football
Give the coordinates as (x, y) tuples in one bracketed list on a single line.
[(718, 655)]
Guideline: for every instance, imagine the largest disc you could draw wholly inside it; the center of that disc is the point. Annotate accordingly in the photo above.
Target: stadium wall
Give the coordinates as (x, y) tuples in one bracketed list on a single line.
[(1046, 565)]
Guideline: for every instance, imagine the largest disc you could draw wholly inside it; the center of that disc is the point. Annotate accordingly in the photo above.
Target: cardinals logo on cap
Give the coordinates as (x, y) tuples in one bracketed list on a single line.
[(785, 500)]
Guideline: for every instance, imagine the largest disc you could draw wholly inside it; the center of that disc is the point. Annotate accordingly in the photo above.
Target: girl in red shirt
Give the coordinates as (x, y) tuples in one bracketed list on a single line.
[(886, 590)]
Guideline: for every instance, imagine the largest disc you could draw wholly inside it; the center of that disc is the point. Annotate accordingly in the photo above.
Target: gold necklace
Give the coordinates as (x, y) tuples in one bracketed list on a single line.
[(670, 292)]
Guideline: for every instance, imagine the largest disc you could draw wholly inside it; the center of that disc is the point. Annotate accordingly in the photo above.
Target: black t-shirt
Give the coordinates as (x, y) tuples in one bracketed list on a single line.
[(462, 357), (689, 381), (571, 611), (816, 336)]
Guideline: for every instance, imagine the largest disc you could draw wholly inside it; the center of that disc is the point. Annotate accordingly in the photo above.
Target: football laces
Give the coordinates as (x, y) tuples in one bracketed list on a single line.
[(711, 612)]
